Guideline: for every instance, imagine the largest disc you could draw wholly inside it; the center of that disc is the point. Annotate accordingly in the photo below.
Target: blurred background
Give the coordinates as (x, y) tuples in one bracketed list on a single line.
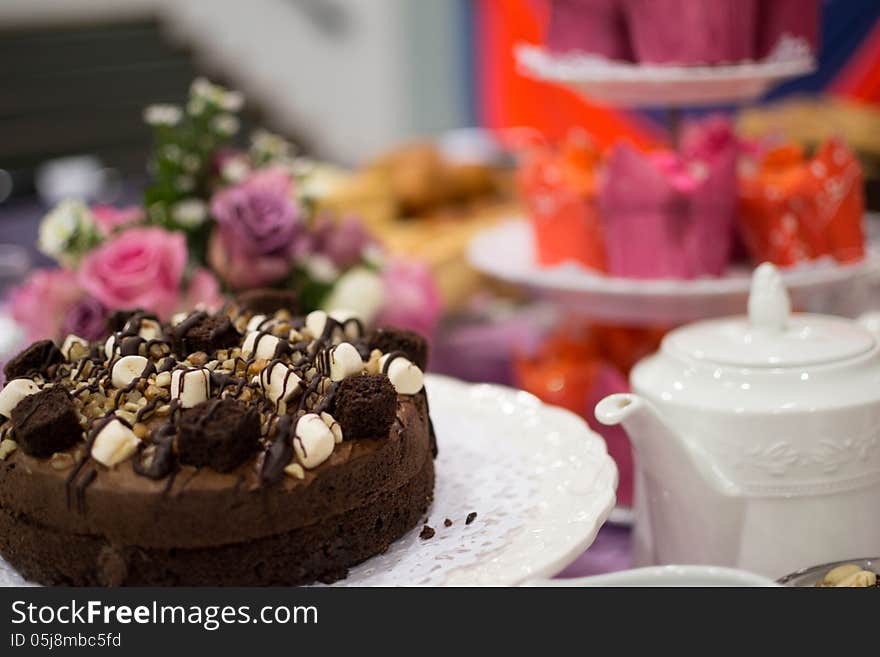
[(423, 113), (346, 79)]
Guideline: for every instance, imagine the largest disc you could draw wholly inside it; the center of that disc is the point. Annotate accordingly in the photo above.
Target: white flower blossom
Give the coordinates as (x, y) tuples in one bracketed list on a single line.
[(157, 115), (359, 290), (196, 106), (301, 167), (191, 163), (185, 183), (374, 255), (320, 181), (62, 226), (231, 101), (190, 212), (269, 146), (320, 268), (225, 124), (201, 87), (172, 152), (235, 169)]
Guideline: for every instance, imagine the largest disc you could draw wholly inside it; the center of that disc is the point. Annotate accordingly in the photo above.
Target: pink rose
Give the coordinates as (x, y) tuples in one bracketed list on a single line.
[(139, 268), (203, 291), (42, 303), (412, 299), (109, 218)]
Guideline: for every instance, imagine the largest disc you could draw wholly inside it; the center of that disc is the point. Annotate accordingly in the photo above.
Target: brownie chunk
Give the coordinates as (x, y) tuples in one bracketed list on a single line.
[(202, 332), (219, 433), (410, 343), (117, 321), (266, 301), (365, 406), (46, 422), (36, 359)]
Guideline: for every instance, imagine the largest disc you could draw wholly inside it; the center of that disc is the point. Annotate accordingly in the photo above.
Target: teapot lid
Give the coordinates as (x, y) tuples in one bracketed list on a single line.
[(770, 336)]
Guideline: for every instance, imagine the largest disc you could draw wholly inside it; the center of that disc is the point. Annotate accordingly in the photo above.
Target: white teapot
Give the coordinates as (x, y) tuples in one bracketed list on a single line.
[(757, 439)]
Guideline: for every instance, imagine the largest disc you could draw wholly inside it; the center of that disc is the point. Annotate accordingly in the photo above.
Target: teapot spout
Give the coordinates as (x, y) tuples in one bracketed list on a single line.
[(662, 449)]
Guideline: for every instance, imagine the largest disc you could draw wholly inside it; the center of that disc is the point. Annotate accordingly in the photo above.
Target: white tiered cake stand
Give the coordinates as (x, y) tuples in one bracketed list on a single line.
[(642, 85), (506, 252)]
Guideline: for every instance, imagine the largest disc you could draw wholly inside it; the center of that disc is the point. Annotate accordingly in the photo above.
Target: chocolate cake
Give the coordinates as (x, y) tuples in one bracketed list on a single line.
[(220, 449)]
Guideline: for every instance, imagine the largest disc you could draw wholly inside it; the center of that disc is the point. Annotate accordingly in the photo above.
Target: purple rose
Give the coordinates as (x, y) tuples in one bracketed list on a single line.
[(342, 243), (87, 319), (258, 226)]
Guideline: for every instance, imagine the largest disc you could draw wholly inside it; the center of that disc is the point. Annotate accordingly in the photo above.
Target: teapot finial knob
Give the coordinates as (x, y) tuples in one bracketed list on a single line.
[(769, 304)]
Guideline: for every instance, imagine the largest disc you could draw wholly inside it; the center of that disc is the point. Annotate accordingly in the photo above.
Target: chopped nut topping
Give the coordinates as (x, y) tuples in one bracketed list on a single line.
[(61, 461), (7, 446)]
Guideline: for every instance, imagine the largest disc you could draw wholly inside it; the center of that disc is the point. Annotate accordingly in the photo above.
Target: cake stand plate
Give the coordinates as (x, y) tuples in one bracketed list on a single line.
[(540, 482), (645, 85), (506, 252)]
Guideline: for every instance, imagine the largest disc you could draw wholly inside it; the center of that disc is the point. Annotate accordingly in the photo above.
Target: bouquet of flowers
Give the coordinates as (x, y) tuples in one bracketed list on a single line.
[(217, 219)]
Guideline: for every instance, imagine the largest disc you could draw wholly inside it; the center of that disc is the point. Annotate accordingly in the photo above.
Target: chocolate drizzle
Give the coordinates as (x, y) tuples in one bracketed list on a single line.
[(390, 358), (156, 457), (79, 488), (156, 461), (279, 453)]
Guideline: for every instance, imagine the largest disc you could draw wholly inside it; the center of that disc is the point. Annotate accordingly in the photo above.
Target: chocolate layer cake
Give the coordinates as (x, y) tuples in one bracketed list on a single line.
[(221, 449)]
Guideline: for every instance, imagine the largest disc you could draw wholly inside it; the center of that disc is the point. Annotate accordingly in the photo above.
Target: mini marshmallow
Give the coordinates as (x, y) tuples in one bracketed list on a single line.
[(14, 392), (279, 383), (127, 369), (259, 323), (352, 329), (191, 387), (344, 360), (315, 322), (265, 346), (405, 376), (313, 442), (150, 329), (114, 444), (177, 318), (110, 347), (71, 340), (333, 425)]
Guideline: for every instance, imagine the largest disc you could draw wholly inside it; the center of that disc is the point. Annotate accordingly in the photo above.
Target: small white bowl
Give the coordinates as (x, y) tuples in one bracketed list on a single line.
[(666, 576)]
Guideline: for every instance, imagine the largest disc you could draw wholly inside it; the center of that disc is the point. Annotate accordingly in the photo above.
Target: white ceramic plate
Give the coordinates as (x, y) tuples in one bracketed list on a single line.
[(541, 482), (506, 252), (641, 85)]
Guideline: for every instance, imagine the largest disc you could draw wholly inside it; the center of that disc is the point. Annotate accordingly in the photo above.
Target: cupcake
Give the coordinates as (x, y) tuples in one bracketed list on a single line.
[(588, 26), (671, 215), (793, 20), (559, 190), (795, 209), (691, 32)]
